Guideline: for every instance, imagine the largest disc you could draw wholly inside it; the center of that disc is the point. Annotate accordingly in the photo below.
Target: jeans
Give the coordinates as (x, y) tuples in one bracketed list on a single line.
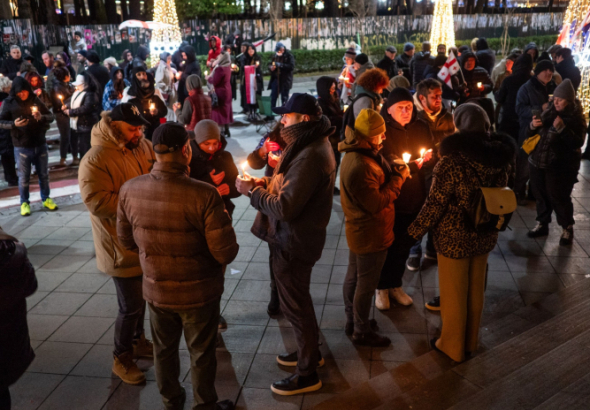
[(63, 125), (552, 190), (80, 142), (26, 157), (430, 251), (292, 277), (398, 252), (9, 165), (359, 286), (274, 93), (200, 332), (129, 323)]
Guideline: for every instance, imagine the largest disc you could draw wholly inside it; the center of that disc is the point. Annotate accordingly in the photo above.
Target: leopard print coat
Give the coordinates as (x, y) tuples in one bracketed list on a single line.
[(455, 181)]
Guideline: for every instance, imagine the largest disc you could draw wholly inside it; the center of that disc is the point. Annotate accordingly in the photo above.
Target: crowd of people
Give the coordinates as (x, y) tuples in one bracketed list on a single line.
[(411, 153)]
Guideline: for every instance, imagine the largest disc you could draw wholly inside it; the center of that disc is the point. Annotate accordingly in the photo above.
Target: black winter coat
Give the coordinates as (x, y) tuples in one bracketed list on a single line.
[(202, 164), (17, 281), (284, 72), (411, 139), (33, 134), (330, 108), (101, 75), (568, 69), (560, 150), (531, 96), (418, 66), (389, 66), (6, 146), (138, 61), (487, 59), (403, 62), (247, 60), (59, 88), (506, 96), (191, 67), (88, 112), (10, 67)]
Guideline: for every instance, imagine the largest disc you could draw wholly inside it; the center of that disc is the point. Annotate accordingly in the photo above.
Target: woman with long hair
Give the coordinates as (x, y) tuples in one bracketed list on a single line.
[(113, 91)]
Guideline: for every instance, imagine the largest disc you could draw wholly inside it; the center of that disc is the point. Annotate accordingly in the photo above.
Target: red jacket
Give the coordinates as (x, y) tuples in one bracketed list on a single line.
[(214, 53)]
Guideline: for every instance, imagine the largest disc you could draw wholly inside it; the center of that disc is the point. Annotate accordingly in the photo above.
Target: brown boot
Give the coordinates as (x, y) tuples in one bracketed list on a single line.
[(127, 370), (143, 347)]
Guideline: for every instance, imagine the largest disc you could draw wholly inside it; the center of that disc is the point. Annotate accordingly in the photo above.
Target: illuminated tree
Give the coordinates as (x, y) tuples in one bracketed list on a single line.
[(443, 27), (165, 39)]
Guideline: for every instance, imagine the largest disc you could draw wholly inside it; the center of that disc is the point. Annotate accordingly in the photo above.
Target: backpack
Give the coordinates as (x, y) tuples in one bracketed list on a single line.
[(349, 118)]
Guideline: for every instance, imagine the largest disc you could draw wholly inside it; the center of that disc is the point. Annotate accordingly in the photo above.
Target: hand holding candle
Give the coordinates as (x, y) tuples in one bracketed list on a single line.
[(480, 86), (406, 157), (245, 176), (153, 110), (422, 151)]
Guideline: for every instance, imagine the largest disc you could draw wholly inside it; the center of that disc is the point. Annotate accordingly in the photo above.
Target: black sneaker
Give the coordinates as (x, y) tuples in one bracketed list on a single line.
[(538, 231), (336, 191), (434, 304), (413, 263), (567, 236), (274, 307), (429, 261), (370, 339), (296, 384), (290, 359), (349, 328)]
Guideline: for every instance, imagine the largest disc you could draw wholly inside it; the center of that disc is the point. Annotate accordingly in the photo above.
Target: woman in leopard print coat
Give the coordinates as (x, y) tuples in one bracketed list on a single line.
[(467, 157)]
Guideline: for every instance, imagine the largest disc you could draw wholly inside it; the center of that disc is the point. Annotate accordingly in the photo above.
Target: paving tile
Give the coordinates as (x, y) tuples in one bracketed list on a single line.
[(334, 295), (379, 367), (321, 274), (58, 303), (89, 267), (246, 313), (337, 345), (327, 257), (243, 226), (502, 301), (82, 329), (265, 370), (277, 340), (247, 239), (578, 266), (68, 233), (108, 288), (532, 297), (264, 399), (236, 270), (341, 257), (569, 279), (81, 393), (280, 320), (520, 248), (404, 347), (331, 241), (245, 254), (98, 362), (49, 280), (252, 290), (343, 243), (58, 357), (66, 263), (537, 282), (59, 218), (49, 247), (333, 317), (229, 287), (80, 248), (528, 264), (402, 319), (39, 260), (42, 326), (81, 221), (83, 283), (241, 338), (338, 274), (35, 298), (552, 248), (144, 397), (257, 271), (37, 232), (232, 368), (32, 389), (146, 365), (262, 254), (100, 306)]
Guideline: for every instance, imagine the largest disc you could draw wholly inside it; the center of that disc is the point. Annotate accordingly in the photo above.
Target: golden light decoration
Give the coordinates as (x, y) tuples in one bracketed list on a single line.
[(165, 39), (443, 27)]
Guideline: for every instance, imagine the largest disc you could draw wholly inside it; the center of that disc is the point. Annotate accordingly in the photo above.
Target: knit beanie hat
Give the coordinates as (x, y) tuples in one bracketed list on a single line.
[(398, 95), (93, 57), (408, 46), (207, 130), (369, 124), (350, 53), (566, 91), (544, 65), (471, 118), (362, 58)]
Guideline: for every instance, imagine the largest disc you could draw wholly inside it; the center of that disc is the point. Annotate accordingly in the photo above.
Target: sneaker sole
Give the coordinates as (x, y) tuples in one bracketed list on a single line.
[(432, 308), (411, 268), (293, 364), (309, 389), (131, 382)]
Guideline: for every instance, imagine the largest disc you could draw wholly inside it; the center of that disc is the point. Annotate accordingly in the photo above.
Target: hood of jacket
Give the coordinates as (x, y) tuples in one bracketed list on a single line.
[(465, 56), (216, 42), (481, 44), (532, 46), (523, 65), (191, 55), (114, 72), (495, 151), (142, 52), (103, 134), (323, 86), (20, 84)]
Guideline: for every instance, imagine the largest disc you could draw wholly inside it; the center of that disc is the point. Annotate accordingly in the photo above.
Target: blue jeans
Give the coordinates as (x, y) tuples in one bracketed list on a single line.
[(274, 94), (417, 249), (26, 157), (129, 323)]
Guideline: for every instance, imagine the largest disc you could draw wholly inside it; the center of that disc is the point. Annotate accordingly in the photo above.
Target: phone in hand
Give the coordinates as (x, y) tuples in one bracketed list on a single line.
[(536, 113)]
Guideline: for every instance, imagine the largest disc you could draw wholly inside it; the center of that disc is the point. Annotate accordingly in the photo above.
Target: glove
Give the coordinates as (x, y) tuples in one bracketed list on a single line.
[(271, 146), (217, 179)]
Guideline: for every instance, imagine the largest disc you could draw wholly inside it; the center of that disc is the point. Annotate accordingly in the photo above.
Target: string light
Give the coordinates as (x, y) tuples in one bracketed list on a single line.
[(165, 39), (443, 27)]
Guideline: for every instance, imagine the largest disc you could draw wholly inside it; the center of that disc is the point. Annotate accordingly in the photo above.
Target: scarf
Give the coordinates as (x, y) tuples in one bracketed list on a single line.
[(75, 103), (299, 136), (136, 89)]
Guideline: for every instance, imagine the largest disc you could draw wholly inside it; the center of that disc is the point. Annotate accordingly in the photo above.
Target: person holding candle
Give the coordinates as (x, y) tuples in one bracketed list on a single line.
[(369, 185), (83, 108), (477, 80), (281, 69), (347, 76), (196, 107), (28, 120), (61, 91), (294, 207), (219, 81), (405, 133), (113, 91), (268, 151)]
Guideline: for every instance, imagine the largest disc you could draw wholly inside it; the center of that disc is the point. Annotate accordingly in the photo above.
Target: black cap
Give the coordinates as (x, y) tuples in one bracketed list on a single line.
[(362, 59), (391, 49), (128, 113), (169, 137), (300, 103), (83, 53)]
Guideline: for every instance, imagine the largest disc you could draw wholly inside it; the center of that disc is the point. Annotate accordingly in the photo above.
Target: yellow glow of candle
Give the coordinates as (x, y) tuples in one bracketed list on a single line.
[(61, 97), (345, 107), (258, 63), (233, 66), (422, 151), (178, 76), (34, 109), (243, 166), (206, 72), (406, 157), (479, 85), (44, 78), (341, 78)]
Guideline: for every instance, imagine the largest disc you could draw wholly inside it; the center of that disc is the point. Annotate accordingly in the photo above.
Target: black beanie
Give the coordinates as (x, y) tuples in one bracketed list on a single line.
[(544, 65), (93, 57), (397, 95), (362, 59)]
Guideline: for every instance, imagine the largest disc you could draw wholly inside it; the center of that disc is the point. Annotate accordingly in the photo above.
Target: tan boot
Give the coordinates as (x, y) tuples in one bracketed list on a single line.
[(75, 162), (143, 347), (127, 370), (382, 299), (400, 296)]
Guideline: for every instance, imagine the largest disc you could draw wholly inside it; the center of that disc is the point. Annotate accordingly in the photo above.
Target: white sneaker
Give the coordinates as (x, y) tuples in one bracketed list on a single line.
[(382, 299), (400, 296)]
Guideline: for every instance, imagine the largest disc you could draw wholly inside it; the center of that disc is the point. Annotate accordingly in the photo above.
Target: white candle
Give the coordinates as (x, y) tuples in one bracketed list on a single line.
[(479, 85), (406, 157), (422, 151), (345, 107)]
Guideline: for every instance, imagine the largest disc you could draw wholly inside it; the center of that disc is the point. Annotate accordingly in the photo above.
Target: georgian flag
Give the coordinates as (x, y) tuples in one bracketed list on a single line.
[(450, 68), (250, 77)]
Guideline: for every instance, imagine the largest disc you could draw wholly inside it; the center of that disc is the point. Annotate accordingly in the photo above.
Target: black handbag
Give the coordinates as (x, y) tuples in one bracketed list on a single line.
[(214, 99)]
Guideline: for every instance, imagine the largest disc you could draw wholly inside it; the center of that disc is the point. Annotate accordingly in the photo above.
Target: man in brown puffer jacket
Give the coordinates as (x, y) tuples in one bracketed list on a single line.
[(119, 153), (185, 238)]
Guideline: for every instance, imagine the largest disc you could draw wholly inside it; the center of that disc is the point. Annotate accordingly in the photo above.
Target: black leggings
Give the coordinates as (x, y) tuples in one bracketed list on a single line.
[(4, 398)]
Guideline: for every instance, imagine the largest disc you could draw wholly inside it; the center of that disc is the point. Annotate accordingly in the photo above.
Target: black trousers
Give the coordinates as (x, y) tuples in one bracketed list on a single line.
[(397, 254), (4, 398), (9, 165), (292, 277), (553, 190), (522, 174), (80, 142)]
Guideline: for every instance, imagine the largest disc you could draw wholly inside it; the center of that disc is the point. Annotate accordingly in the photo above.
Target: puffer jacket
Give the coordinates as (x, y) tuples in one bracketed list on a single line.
[(103, 171), (532, 95), (367, 198), (560, 149), (485, 56), (465, 158), (441, 126), (477, 75), (567, 69), (421, 61), (17, 282), (295, 207), (185, 238)]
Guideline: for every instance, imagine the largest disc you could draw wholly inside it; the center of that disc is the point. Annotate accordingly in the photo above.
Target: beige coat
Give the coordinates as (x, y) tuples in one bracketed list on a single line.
[(103, 170)]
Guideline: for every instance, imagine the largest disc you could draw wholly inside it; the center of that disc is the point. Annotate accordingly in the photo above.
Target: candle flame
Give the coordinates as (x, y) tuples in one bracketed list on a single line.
[(406, 157), (244, 165), (422, 151), (61, 97)]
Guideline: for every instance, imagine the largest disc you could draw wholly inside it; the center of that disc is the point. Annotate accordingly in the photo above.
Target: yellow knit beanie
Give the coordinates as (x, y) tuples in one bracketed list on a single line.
[(369, 124)]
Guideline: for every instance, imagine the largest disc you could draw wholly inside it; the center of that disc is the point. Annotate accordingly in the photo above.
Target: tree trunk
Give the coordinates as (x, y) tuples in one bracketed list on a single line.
[(111, 11), (331, 8), (134, 9), (124, 10), (24, 9), (480, 6), (148, 10)]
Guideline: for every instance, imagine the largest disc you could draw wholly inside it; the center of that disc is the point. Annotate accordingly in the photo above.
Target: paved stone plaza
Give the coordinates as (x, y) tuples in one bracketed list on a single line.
[(71, 316)]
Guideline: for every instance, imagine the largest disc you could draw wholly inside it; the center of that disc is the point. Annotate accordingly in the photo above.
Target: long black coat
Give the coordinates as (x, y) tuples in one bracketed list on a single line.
[(10, 67), (420, 62), (191, 67), (567, 69), (17, 281), (389, 66), (88, 112), (6, 146), (506, 95), (284, 73)]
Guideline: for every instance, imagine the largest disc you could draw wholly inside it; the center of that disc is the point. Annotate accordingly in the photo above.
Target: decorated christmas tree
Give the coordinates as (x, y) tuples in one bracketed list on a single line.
[(443, 28), (165, 39)]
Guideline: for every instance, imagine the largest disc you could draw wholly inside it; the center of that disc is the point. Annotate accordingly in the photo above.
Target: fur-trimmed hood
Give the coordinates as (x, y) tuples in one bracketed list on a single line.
[(102, 134), (496, 151)]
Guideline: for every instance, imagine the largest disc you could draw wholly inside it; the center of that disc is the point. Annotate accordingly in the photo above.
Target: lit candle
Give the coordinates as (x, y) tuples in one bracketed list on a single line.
[(422, 151), (34, 109), (479, 85), (243, 166), (178, 76), (44, 78), (258, 63), (206, 73), (61, 97), (341, 78), (345, 107), (406, 157), (233, 66)]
